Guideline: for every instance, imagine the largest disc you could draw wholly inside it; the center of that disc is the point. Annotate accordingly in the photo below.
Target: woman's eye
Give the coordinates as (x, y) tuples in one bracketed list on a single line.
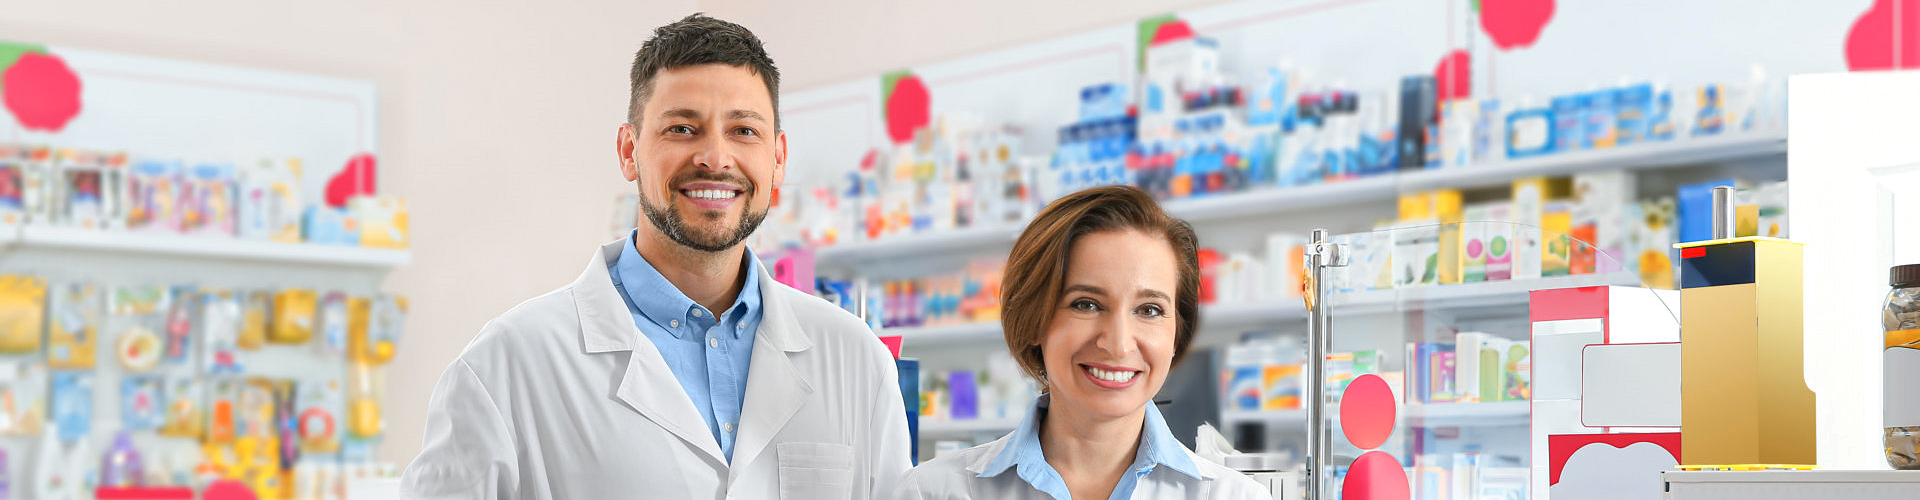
[(1152, 311), (1084, 305)]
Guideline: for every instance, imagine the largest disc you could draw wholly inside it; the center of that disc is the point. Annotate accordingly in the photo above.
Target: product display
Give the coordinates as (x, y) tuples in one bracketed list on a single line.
[(97, 190), (23, 301)]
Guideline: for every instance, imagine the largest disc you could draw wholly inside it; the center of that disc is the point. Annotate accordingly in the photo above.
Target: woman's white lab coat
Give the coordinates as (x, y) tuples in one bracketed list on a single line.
[(563, 398), (956, 477)]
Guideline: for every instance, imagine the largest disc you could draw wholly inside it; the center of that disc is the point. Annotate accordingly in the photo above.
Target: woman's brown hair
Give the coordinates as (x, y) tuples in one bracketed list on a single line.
[(1036, 271)]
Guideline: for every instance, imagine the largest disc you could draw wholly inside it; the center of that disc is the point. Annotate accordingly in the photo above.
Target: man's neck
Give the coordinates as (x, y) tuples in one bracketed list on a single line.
[(711, 279)]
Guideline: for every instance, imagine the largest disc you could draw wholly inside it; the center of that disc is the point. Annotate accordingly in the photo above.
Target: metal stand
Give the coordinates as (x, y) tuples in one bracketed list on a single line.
[(1321, 254)]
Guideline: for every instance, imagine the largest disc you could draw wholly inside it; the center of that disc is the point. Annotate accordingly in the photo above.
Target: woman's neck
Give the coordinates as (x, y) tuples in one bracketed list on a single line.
[(1090, 453)]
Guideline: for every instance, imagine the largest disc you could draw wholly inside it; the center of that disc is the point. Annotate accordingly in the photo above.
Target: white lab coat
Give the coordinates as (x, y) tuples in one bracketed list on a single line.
[(955, 476), (563, 398)]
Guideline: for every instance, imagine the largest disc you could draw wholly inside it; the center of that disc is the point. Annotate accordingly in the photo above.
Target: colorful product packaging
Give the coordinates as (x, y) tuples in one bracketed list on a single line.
[(142, 403), (23, 301), (209, 198), (78, 311), (154, 197)]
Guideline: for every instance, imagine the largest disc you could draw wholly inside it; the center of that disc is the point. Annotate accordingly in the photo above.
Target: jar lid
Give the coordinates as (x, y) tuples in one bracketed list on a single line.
[(1905, 276)]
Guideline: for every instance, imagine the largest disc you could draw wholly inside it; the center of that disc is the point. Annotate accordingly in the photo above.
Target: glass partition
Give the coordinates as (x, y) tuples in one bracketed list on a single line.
[(1453, 350)]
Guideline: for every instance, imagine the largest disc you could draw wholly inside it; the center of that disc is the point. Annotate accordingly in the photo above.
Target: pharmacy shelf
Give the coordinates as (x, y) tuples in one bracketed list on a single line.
[(918, 244), (1271, 201), (1672, 154), (965, 333), (1241, 316), (1468, 295), (64, 238), (1503, 413), (1212, 316), (1281, 200), (947, 428)]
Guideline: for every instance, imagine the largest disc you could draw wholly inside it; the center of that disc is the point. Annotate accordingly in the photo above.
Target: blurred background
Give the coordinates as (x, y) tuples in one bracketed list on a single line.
[(307, 209)]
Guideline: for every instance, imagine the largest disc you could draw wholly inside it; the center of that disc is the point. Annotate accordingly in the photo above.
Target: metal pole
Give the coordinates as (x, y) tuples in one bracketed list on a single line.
[(1321, 254), (1723, 212)]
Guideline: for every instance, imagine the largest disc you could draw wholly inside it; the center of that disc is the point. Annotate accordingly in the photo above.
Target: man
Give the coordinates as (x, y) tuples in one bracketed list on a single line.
[(674, 366)]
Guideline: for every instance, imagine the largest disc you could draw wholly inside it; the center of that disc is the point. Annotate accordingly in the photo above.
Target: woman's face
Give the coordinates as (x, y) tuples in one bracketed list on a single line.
[(1110, 345)]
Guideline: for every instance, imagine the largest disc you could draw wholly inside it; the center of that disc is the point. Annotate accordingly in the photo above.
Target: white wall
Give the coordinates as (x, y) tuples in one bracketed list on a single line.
[(497, 121), (497, 118)]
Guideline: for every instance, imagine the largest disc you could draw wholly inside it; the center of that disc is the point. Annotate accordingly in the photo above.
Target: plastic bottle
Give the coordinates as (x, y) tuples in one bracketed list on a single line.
[(121, 468), (1901, 360)]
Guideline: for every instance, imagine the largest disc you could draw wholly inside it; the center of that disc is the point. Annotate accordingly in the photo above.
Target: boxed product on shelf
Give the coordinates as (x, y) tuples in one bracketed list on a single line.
[(153, 196), (91, 189), (382, 219), (208, 200), (1556, 230), (1429, 368), (1473, 356), (1600, 221), (1415, 256), (13, 184), (270, 201), (1284, 266)]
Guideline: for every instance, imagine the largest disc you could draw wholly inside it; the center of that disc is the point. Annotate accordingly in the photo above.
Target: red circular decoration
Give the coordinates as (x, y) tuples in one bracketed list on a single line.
[(1367, 411), (1453, 76), (357, 178), (1171, 31), (1514, 24), (41, 91), (907, 108), (1375, 476), (1871, 41)]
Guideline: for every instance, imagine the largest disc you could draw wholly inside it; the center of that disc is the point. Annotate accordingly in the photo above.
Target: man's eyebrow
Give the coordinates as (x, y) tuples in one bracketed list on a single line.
[(683, 113), (745, 114)]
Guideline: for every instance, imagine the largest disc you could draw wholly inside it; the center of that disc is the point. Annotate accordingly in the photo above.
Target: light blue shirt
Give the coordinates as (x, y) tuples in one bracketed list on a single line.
[(1158, 448), (708, 355)]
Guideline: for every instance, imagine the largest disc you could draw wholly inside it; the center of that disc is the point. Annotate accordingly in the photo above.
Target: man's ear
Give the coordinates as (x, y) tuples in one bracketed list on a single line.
[(780, 158), (623, 147)]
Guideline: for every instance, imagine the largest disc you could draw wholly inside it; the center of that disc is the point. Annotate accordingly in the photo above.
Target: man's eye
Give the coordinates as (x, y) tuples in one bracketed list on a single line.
[(679, 129), (747, 132)]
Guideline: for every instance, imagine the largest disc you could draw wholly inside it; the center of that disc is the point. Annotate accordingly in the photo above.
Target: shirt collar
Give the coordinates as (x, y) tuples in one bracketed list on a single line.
[(660, 302), (1158, 447)]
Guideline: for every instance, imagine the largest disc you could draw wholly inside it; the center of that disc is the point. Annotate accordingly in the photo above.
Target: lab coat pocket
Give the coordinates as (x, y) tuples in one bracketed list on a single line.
[(815, 470)]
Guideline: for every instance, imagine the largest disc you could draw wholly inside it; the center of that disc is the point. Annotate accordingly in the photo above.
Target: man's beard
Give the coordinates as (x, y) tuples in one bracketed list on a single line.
[(669, 221)]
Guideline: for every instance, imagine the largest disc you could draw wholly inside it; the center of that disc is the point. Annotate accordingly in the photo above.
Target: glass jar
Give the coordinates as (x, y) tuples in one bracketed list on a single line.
[(1901, 361)]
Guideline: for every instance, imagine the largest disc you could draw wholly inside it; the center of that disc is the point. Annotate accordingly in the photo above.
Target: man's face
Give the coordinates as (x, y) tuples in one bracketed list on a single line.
[(705, 154)]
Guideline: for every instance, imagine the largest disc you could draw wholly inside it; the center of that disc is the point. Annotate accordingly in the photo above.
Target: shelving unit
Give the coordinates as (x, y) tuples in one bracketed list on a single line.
[(30, 237), (1215, 316), (1272, 201)]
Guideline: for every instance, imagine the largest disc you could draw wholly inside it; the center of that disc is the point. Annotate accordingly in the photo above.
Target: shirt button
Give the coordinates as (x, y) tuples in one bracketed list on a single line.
[(698, 314), (713, 342), (728, 427)]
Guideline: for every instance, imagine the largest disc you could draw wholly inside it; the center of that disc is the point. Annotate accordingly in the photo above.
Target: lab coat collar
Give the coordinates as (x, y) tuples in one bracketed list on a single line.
[(1021, 449), (665, 305), (606, 326)]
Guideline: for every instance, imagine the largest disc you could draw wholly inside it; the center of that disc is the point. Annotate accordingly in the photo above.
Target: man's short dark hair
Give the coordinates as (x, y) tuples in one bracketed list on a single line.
[(697, 40)]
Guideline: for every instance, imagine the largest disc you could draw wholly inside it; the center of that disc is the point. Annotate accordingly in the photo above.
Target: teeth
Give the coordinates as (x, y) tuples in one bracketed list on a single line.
[(1111, 376), (710, 194)]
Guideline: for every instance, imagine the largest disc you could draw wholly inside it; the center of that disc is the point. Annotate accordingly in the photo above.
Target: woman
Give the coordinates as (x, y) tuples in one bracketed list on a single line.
[(1100, 300)]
